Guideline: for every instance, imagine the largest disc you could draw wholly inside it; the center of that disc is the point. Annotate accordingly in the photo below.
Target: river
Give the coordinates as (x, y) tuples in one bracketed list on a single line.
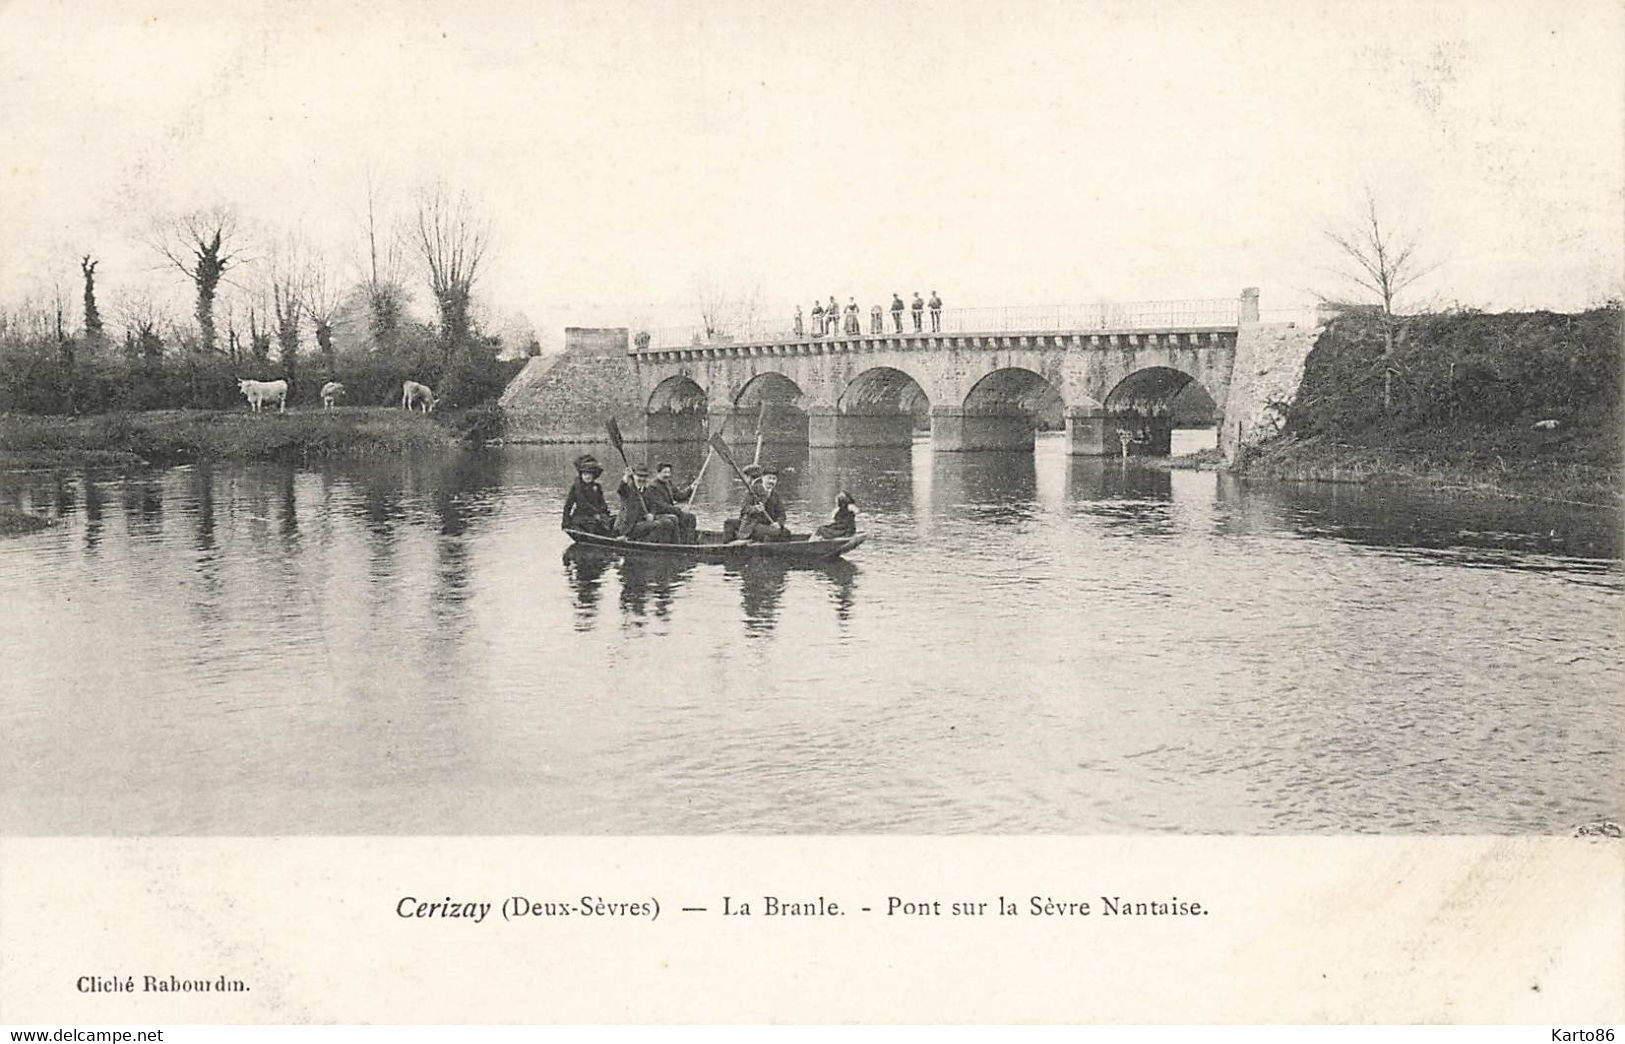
[(1028, 643)]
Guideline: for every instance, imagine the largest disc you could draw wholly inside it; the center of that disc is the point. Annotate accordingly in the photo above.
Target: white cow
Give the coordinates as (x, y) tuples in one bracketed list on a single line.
[(259, 393), (332, 392), (415, 394)]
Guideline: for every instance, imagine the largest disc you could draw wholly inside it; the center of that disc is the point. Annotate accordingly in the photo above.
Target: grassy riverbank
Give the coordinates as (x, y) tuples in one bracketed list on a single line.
[(177, 436), (1517, 404)]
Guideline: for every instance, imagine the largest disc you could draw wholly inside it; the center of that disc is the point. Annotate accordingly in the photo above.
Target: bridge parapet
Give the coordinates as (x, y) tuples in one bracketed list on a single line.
[(1022, 320), (1215, 336)]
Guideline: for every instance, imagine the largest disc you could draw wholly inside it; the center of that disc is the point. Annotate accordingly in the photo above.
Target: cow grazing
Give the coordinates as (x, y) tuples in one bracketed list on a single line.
[(259, 393), (415, 394), (332, 392)]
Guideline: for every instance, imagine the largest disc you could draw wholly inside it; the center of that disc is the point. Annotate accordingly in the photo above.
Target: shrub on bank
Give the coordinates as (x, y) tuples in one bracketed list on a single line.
[(1467, 386)]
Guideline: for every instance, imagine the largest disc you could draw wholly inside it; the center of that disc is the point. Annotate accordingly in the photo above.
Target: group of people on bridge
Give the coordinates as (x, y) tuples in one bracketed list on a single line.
[(653, 508), (832, 320)]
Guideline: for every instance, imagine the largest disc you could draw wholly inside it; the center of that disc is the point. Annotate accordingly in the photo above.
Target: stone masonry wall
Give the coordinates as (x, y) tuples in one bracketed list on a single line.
[(566, 398), (1269, 368)]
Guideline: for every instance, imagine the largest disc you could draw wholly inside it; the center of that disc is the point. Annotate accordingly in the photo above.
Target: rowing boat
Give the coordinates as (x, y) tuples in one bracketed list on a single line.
[(711, 548)]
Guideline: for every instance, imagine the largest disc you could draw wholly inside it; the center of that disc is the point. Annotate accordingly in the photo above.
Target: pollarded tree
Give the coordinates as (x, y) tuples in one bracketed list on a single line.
[(202, 245), (93, 315), (451, 238), (321, 299)]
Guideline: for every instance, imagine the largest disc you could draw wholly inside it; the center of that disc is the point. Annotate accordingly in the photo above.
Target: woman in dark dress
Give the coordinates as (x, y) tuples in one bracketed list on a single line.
[(585, 508)]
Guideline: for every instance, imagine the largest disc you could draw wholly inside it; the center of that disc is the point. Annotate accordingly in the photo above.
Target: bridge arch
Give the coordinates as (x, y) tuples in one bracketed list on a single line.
[(1001, 411), (679, 393), (779, 401), (1013, 390), (881, 406), (1151, 402), (676, 410), (884, 389)]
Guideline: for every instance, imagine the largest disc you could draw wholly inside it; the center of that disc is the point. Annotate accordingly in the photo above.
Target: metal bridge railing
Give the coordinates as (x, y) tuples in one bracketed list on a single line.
[(1139, 315)]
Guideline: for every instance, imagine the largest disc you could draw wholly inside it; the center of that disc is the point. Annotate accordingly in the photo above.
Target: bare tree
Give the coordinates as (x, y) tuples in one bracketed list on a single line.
[(1379, 259), (202, 245), (451, 239), (286, 308), (143, 320), (381, 272), (727, 313)]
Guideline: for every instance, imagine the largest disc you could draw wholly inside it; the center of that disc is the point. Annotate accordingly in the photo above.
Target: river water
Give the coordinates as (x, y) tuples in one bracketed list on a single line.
[(1028, 643)]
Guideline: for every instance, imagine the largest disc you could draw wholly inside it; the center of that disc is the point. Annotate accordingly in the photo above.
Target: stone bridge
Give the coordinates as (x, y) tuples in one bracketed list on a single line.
[(975, 390)]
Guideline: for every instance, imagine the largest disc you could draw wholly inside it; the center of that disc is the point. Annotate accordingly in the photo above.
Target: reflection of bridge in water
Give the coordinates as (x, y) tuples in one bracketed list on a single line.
[(1141, 372)]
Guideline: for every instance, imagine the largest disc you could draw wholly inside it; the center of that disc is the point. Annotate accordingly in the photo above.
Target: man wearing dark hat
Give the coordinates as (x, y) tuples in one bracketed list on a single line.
[(763, 517), (636, 521), (584, 506), (845, 522), (897, 312), (664, 498)]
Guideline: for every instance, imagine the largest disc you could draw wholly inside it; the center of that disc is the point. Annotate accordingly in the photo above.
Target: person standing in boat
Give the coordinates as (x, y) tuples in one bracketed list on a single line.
[(763, 517), (584, 506), (636, 521), (845, 522), (664, 498)]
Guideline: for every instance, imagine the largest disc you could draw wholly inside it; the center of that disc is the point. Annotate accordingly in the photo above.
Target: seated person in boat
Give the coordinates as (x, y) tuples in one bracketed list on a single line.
[(753, 478), (636, 521), (584, 506), (763, 517), (664, 496), (845, 522)]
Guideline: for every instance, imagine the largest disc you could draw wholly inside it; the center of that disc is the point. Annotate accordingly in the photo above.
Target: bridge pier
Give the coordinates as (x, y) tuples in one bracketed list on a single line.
[(957, 430), (1092, 432), (827, 427)]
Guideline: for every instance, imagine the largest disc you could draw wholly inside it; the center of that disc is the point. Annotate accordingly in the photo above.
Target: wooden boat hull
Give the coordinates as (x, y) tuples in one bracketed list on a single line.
[(711, 548)]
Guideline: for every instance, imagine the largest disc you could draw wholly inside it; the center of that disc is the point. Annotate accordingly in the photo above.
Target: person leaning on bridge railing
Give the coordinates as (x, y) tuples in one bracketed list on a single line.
[(918, 307), (877, 320), (897, 312), (936, 313), (818, 319)]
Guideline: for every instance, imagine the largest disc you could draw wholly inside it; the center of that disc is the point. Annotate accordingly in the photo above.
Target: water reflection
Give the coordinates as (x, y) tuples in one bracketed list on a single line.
[(584, 568), (647, 579), (1028, 643)]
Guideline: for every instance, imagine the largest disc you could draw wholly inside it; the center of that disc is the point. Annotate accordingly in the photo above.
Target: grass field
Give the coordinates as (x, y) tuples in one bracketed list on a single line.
[(174, 436)]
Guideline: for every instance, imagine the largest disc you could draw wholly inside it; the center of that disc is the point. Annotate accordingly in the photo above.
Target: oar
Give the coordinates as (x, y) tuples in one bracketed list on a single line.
[(616, 440), (620, 447), (695, 488), (761, 414), (721, 450)]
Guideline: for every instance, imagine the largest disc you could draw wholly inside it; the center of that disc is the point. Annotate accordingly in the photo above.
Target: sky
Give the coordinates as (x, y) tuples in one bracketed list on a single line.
[(629, 154)]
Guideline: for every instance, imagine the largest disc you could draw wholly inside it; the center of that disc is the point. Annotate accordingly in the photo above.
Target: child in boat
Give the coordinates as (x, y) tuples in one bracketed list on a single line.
[(845, 522)]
